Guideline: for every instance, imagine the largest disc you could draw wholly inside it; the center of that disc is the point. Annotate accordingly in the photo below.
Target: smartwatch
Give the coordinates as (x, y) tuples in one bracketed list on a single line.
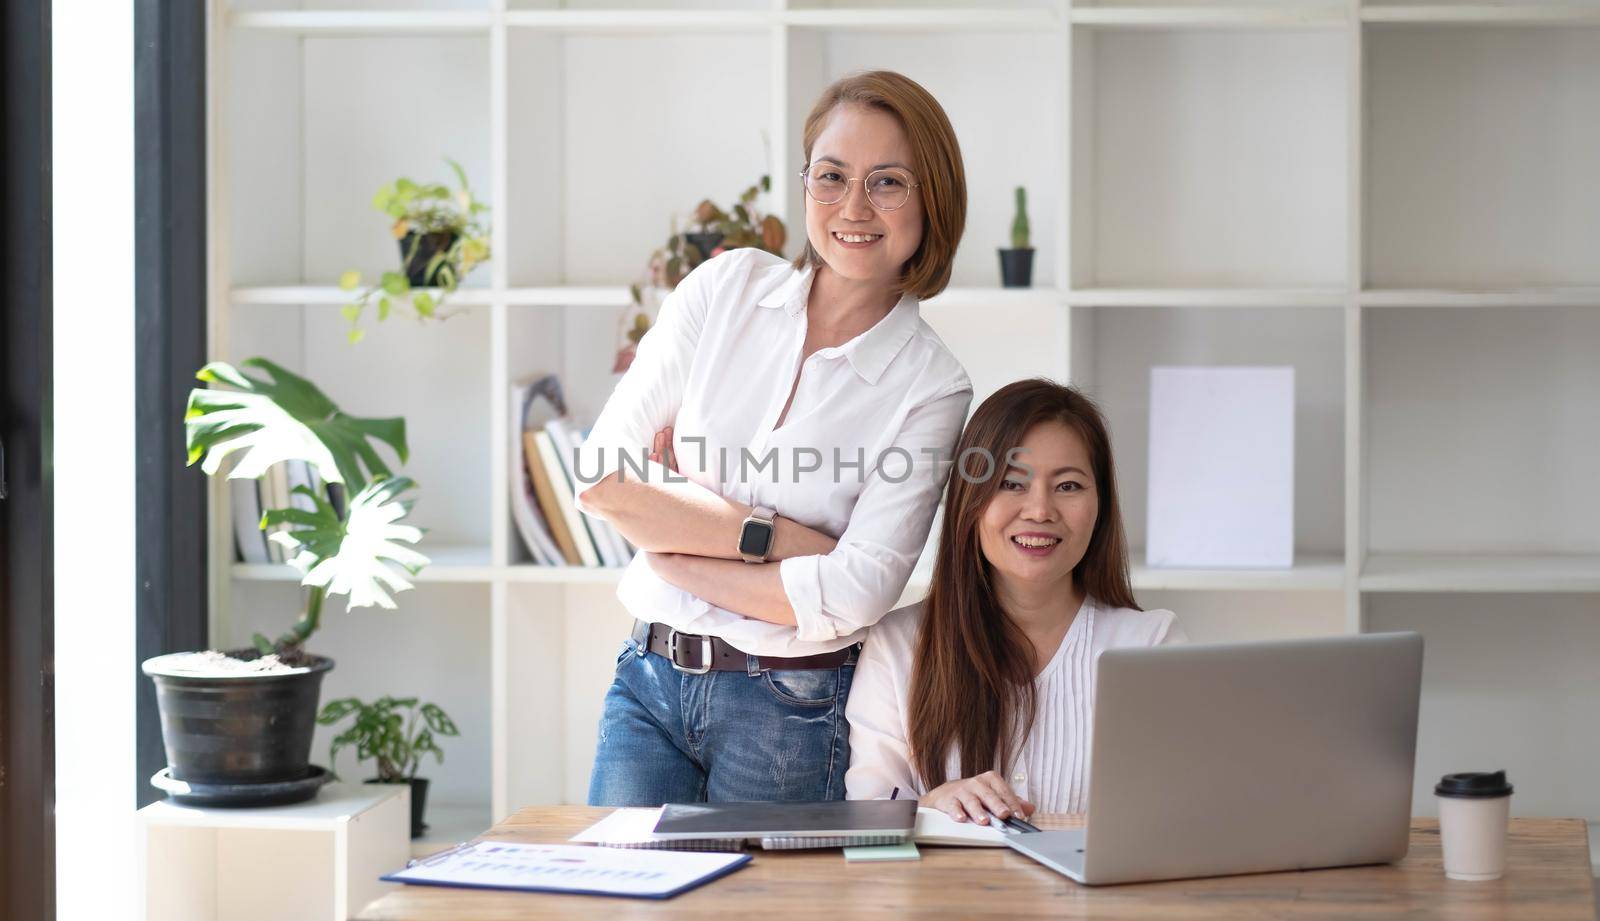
[(755, 535)]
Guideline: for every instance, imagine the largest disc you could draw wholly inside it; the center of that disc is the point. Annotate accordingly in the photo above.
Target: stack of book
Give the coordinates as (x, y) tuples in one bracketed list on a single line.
[(544, 444)]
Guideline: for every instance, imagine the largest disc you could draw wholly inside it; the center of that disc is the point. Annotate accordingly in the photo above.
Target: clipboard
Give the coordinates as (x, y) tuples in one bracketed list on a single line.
[(570, 869)]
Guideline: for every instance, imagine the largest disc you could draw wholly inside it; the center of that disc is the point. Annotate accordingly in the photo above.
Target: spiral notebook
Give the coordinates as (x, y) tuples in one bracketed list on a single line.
[(565, 868)]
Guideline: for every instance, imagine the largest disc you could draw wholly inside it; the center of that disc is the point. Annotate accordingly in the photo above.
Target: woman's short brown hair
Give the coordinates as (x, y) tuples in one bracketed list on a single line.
[(936, 160)]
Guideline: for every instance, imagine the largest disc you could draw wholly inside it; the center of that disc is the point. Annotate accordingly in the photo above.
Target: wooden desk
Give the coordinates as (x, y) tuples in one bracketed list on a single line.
[(1548, 879)]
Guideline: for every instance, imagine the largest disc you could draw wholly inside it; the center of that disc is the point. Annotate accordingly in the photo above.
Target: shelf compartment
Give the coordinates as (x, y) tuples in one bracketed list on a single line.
[(1211, 158), (435, 646), (320, 139), (1418, 572), (1509, 681), (1450, 203), (1115, 348), (591, 197), (1482, 434)]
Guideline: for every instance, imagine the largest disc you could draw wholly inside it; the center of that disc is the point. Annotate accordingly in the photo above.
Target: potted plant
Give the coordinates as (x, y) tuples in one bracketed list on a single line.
[(742, 225), (378, 735), (1016, 263), (237, 725), (442, 238)]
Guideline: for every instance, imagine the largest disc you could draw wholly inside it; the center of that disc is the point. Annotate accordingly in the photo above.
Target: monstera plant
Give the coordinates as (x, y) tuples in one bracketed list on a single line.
[(261, 701), (285, 417)]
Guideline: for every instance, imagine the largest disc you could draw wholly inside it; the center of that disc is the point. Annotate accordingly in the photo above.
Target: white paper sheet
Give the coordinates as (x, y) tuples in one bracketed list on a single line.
[(629, 825), (1221, 468), (934, 827)]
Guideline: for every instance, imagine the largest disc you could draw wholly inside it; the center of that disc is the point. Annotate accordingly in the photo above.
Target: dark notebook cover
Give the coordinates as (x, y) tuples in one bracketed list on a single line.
[(755, 820)]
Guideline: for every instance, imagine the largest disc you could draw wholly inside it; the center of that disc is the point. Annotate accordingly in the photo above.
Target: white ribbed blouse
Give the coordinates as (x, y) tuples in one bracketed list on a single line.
[(1051, 770)]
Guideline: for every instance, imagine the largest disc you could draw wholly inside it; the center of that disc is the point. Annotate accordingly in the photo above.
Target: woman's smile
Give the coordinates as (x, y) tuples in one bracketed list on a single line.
[(856, 240), (1035, 544)]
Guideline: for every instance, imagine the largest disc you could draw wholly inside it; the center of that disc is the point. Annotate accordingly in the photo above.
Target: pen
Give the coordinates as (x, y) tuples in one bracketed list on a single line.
[(895, 794), (1022, 825), (1012, 825)]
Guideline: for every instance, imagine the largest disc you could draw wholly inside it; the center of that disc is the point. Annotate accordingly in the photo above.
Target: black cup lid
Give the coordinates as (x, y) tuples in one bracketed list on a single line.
[(1472, 785)]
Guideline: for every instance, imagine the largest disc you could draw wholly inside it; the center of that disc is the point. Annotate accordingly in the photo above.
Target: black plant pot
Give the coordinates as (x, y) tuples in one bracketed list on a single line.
[(419, 801), (704, 242), (1016, 268), (231, 728), (428, 245)]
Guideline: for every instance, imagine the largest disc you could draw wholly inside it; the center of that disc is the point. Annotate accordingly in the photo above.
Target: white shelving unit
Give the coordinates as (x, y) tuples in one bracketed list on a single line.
[(1399, 199)]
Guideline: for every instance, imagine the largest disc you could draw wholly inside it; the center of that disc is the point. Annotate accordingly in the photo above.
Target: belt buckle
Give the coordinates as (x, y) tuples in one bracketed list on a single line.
[(705, 653)]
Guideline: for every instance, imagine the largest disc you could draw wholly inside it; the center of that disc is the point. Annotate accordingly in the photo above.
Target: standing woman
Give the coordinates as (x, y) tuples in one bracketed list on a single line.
[(810, 412)]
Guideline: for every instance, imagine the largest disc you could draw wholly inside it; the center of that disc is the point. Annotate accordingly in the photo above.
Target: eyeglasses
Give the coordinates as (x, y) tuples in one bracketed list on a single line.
[(887, 189)]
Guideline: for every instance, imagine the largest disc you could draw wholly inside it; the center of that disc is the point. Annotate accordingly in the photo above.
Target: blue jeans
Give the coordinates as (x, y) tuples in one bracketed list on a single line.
[(671, 737)]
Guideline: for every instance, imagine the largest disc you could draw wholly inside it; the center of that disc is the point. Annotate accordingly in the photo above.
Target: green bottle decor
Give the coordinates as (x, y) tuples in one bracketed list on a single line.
[(1016, 263)]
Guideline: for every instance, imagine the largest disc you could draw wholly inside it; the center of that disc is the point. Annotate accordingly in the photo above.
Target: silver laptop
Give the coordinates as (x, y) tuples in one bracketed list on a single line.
[(1210, 760)]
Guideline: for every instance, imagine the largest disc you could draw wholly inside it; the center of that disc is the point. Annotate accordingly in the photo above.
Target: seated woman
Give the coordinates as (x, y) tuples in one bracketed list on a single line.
[(979, 698)]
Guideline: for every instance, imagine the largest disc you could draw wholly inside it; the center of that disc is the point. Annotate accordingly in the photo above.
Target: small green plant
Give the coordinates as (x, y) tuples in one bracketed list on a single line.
[(742, 225), (383, 734), (1019, 224), (449, 222), (285, 417)]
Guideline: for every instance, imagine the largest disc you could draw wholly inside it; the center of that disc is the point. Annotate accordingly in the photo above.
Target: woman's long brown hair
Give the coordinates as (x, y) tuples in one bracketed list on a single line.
[(972, 679)]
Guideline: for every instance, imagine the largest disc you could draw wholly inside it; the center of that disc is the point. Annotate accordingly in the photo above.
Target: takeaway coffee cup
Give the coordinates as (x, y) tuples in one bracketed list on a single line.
[(1473, 813)]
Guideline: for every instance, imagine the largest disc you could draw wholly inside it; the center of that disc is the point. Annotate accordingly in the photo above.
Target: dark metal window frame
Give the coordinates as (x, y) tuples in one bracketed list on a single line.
[(27, 568), (170, 335)]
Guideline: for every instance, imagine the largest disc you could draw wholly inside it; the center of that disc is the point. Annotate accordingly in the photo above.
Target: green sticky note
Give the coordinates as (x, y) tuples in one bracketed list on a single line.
[(904, 851)]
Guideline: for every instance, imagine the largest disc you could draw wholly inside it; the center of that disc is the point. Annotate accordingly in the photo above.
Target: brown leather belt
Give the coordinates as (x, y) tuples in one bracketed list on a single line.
[(688, 652)]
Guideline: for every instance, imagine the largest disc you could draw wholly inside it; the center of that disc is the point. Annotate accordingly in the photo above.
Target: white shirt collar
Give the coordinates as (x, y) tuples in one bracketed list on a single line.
[(870, 352)]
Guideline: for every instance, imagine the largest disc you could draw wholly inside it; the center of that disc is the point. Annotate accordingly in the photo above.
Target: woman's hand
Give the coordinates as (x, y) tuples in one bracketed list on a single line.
[(661, 450), (975, 797)]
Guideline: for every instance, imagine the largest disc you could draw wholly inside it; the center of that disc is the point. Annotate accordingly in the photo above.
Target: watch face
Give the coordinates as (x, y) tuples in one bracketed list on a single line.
[(755, 538)]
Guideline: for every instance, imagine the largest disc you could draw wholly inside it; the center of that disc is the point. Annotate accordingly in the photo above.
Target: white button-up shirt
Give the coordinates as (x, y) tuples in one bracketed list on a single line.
[(862, 454)]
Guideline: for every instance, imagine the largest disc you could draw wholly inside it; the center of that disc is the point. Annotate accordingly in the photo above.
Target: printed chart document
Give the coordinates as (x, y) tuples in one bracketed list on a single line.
[(567, 868)]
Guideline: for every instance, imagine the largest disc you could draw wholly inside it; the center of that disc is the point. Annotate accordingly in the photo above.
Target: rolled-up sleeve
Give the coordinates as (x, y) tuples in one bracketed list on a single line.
[(650, 393), (841, 592)]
